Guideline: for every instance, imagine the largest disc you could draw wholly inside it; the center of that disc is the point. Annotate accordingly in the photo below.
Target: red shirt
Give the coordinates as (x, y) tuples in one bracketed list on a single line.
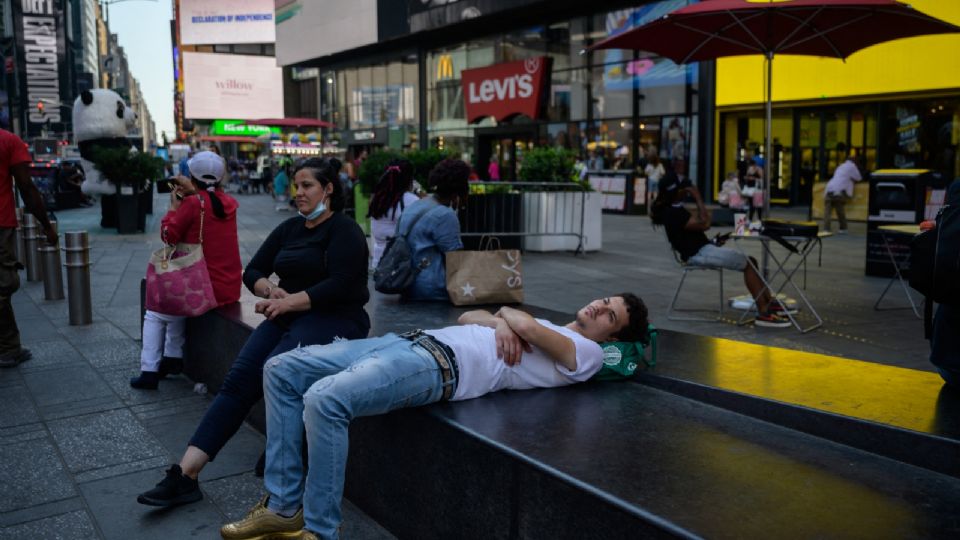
[(12, 152), (221, 249)]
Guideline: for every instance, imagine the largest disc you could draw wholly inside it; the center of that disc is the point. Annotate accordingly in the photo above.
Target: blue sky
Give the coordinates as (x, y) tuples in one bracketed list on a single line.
[(143, 28)]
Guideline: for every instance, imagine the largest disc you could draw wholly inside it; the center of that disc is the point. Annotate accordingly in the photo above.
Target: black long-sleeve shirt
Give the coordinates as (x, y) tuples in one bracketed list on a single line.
[(328, 262)]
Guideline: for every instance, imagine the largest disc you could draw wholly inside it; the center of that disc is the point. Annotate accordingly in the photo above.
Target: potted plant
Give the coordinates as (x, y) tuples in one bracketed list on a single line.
[(132, 173), (560, 209)]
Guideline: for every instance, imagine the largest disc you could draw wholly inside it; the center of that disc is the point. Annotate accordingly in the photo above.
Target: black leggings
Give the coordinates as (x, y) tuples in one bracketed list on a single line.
[(243, 386)]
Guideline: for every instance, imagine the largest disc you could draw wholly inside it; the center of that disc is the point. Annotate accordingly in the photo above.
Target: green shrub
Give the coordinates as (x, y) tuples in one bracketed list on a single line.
[(549, 164), (424, 161), (122, 167), (372, 168)]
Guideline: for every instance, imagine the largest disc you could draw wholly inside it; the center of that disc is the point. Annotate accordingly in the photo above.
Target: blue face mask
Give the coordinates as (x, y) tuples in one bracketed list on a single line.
[(320, 209)]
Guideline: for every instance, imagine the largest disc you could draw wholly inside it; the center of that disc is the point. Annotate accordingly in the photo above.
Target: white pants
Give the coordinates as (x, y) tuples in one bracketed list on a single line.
[(163, 335)]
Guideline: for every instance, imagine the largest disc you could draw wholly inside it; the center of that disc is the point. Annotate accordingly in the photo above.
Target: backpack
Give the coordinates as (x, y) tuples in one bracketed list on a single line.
[(622, 358), (935, 254), (396, 270)]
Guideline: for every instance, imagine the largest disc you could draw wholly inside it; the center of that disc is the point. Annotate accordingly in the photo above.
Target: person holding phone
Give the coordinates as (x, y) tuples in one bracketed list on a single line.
[(685, 231), (163, 334)]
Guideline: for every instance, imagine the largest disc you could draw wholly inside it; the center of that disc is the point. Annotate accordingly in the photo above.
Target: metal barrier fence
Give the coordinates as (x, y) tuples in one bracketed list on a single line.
[(518, 210)]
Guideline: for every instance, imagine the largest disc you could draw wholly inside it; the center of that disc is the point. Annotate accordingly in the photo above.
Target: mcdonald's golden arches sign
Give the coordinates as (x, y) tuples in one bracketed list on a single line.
[(444, 67)]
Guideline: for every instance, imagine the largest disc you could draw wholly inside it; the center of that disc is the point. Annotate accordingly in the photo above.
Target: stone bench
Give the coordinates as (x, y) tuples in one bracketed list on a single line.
[(697, 447)]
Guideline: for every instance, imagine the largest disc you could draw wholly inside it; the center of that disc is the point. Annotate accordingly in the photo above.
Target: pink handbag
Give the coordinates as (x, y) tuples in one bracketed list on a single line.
[(178, 282)]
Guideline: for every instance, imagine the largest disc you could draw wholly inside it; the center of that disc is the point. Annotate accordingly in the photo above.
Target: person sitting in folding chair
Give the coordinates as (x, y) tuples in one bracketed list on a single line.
[(685, 231)]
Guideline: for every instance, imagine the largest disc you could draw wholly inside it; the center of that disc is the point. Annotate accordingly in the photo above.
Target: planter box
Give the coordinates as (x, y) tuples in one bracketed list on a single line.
[(361, 203), (124, 211), (560, 212)]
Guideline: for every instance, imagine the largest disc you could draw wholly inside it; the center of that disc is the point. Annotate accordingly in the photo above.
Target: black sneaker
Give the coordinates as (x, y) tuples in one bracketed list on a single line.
[(771, 320), (148, 380), (15, 358), (170, 365), (175, 489)]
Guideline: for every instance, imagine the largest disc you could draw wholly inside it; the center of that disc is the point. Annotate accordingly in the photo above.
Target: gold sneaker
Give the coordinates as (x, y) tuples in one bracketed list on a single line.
[(262, 524)]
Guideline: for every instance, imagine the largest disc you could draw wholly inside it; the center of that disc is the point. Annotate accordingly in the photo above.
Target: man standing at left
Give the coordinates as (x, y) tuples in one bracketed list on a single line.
[(15, 168)]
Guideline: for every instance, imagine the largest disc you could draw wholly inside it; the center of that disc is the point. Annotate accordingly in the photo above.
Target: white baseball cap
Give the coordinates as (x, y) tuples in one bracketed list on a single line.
[(206, 167)]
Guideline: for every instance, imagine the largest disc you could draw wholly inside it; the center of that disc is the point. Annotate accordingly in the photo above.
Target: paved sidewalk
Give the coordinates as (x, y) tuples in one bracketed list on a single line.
[(77, 443)]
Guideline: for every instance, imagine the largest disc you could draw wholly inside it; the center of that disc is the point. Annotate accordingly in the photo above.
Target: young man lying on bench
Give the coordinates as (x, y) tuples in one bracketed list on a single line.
[(323, 387)]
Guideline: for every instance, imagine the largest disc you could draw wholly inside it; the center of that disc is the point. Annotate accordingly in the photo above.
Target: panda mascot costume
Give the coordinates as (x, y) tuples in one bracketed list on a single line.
[(101, 120)]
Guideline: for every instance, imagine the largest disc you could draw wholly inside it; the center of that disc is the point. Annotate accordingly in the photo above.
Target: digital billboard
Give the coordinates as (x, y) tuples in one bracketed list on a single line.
[(231, 86), (209, 22), (341, 25)]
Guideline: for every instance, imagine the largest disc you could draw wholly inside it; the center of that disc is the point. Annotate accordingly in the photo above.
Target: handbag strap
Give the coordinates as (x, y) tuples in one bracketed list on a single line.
[(173, 249), (199, 196)]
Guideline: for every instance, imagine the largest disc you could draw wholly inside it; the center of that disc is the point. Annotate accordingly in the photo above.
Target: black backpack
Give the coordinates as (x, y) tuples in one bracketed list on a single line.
[(396, 270), (935, 255)]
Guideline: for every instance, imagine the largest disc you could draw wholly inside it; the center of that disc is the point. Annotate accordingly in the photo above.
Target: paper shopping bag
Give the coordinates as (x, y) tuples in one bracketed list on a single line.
[(484, 277)]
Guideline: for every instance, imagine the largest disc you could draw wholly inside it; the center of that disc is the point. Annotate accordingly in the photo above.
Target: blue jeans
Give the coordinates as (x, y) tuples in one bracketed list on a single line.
[(323, 388), (242, 388)]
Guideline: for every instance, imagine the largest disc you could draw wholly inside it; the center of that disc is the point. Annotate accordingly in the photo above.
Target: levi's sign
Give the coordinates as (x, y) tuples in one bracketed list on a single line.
[(505, 90)]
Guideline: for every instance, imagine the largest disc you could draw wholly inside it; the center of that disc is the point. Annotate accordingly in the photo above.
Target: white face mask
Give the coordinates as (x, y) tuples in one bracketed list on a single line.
[(317, 212)]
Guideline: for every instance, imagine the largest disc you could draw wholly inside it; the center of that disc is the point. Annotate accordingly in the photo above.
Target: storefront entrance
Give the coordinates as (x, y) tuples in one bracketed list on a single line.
[(507, 145)]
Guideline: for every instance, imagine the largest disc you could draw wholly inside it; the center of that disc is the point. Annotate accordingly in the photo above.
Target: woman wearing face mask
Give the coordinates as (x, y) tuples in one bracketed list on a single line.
[(320, 257), (438, 231)]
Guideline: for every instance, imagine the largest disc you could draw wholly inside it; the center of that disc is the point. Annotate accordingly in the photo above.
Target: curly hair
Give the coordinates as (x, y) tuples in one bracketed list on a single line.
[(326, 171), (636, 328), (449, 179)]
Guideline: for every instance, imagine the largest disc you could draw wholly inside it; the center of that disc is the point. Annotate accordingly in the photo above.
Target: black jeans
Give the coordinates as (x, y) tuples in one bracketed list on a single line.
[(9, 283), (243, 386), (945, 343)]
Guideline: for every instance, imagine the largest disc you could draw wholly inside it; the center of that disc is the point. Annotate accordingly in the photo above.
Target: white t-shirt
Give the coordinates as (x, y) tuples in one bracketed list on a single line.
[(654, 173), (384, 227), (481, 372), (843, 178)]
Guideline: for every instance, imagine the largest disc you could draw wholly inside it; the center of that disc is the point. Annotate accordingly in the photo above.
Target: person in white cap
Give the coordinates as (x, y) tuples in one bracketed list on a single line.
[(163, 334)]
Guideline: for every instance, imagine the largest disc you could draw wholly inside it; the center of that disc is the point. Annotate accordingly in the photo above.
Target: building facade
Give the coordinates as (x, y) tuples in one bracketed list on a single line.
[(399, 75), (224, 72), (895, 106)]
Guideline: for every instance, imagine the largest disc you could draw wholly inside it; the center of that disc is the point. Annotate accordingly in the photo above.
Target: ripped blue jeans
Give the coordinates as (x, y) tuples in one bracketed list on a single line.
[(322, 388)]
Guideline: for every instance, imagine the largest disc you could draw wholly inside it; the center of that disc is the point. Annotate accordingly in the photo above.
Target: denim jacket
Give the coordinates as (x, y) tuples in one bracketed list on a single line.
[(434, 234)]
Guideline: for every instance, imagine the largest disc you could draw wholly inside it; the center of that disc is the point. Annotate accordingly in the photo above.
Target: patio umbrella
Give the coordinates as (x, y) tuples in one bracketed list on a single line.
[(290, 122), (834, 28)]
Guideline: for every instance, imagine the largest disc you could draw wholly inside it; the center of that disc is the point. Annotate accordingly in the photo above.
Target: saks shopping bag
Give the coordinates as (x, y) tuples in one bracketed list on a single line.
[(484, 277)]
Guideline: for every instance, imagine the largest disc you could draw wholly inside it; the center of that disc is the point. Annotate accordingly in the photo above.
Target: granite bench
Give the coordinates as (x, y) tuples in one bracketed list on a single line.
[(697, 447)]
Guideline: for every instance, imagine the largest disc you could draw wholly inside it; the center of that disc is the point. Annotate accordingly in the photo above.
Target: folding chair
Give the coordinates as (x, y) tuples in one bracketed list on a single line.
[(673, 304)]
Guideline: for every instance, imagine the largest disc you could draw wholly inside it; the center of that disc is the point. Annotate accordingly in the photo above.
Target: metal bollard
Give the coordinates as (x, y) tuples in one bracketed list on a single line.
[(52, 273), (18, 239), (30, 244), (77, 248)]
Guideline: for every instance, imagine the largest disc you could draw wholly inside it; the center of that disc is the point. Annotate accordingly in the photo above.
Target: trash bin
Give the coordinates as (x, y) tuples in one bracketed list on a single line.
[(897, 197)]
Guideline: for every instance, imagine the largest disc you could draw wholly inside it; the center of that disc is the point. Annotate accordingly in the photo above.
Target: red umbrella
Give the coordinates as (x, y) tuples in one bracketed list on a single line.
[(834, 28), (290, 122)]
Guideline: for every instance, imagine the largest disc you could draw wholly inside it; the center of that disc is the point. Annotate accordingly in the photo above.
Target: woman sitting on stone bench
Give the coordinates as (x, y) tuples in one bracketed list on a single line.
[(321, 259)]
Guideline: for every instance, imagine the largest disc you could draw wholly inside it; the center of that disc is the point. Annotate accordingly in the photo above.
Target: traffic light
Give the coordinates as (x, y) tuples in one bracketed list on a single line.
[(40, 107)]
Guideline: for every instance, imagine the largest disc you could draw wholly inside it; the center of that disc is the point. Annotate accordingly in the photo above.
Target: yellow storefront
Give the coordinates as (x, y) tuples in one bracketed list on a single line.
[(893, 105)]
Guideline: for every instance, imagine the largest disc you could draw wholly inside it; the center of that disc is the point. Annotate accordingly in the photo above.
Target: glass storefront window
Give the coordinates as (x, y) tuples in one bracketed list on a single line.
[(922, 134)]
